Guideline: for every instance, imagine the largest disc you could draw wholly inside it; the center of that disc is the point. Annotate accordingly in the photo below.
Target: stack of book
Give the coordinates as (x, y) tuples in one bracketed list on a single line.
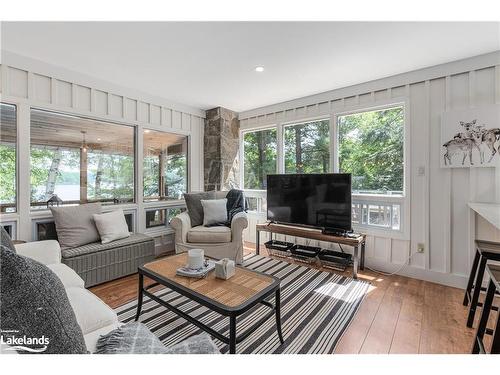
[(198, 273)]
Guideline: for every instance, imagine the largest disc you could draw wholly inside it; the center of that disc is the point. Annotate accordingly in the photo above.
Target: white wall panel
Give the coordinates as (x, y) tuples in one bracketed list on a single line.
[(130, 107), (101, 102), (42, 88), (18, 82), (155, 115), (166, 117), (64, 93), (83, 98), (143, 112), (115, 105), (176, 120), (186, 121)]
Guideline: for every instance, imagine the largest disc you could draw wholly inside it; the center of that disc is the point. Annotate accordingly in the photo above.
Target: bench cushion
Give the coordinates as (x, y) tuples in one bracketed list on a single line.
[(135, 238), (201, 234)]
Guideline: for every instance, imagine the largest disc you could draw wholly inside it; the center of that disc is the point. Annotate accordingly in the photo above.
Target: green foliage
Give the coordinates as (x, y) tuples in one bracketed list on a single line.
[(176, 175), (8, 173), (110, 176), (307, 147), (371, 147), (260, 158)]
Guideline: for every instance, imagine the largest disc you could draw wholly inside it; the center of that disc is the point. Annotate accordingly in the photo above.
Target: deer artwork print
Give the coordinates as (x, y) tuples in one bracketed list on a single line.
[(475, 142)]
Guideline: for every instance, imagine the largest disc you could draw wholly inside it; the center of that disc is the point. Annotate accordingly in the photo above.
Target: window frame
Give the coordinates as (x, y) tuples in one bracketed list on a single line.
[(161, 203), (135, 129), (16, 182), (403, 233)]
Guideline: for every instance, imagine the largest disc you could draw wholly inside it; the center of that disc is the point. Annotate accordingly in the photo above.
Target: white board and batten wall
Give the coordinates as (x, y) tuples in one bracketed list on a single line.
[(29, 83), (439, 215)]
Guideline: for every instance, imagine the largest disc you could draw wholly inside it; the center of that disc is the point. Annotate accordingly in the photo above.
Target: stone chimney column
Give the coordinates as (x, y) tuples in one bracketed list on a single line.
[(221, 150)]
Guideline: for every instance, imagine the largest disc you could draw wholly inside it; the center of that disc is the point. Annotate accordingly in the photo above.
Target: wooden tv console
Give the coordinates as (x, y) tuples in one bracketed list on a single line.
[(357, 243)]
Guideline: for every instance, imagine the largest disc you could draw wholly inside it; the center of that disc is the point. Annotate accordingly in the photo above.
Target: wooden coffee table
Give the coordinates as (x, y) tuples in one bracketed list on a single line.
[(230, 298)]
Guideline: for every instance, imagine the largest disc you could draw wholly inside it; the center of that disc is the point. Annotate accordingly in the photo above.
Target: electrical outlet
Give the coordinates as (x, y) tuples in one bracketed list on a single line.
[(420, 248)]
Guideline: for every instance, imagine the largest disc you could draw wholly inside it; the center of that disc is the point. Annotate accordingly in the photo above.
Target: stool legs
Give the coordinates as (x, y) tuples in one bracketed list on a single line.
[(481, 328), (472, 275), (477, 290)]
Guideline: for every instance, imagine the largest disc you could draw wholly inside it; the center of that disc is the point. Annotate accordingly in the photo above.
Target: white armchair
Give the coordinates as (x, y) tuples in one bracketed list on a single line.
[(217, 242)]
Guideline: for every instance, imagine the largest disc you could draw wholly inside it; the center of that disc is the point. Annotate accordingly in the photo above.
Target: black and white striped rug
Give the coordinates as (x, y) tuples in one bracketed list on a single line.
[(316, 309)]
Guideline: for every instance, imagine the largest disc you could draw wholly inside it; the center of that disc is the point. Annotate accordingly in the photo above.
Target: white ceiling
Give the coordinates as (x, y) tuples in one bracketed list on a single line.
[(207, 64)]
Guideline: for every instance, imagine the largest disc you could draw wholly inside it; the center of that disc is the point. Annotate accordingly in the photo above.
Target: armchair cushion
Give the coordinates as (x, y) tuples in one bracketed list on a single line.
[(194, 207), (45, 252), (201, 234)]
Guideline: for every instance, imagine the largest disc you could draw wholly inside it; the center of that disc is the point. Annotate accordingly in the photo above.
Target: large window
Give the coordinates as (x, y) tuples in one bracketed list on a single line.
[(80, 160), (165, 165), (8, 137), (371, 147), (307, 147), (259, 150)]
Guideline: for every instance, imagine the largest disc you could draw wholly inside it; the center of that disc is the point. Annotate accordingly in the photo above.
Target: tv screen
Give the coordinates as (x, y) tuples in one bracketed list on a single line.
[(313, 200)]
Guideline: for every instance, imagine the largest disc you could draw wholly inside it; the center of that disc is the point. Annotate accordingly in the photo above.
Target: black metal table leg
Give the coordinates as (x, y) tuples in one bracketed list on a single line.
[(257, 242), (481, 328), (232, 335), (139, 296), (362, 263), (472, 275), (278, 315), (477, 289)]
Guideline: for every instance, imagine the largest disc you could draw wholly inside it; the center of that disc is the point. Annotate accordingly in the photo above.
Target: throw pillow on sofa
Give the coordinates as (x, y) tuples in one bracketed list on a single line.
[(194, 207), (111, 226), (35, 313), (75, 225), (214, 211)]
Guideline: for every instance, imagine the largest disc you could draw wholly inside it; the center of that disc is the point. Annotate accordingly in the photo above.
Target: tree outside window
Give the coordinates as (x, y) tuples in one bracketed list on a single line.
[(259, 150), (371, 148), (307, 147), (8, 138)]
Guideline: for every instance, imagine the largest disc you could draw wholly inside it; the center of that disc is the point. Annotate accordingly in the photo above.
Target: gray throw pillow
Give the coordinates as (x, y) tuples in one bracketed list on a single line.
[(5, 239), (194, 207), (35, 313), (75, 225), (131, 338)]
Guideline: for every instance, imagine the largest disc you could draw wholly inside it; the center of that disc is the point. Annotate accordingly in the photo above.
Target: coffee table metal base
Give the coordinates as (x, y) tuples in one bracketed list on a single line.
[(232, 340)]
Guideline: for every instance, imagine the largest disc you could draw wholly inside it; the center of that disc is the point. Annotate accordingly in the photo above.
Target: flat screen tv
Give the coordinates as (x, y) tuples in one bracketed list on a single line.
[(312, 200)]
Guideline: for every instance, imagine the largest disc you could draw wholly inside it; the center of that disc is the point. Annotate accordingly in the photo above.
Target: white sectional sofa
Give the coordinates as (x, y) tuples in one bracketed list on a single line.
[(94, 317)]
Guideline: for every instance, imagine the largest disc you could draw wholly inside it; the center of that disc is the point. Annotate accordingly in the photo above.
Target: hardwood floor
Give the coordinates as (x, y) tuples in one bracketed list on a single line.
[(399, 314)]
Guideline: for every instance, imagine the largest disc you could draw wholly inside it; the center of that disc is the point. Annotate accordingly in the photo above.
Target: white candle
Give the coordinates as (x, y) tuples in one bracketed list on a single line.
[(196, 258)]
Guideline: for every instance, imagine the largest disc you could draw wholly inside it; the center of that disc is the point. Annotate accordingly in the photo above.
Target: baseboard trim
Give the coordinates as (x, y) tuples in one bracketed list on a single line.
[(448, 279)]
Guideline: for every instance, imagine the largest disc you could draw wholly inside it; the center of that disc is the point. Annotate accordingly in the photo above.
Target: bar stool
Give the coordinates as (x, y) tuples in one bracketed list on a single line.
[(485, 251), (493, 287)]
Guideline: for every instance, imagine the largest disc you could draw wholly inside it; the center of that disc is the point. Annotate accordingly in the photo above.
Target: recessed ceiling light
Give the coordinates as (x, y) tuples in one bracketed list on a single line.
[(146, 130), (259, 69)]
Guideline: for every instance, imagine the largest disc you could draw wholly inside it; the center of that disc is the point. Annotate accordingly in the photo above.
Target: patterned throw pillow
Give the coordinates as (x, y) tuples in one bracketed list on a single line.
[(35, 313)]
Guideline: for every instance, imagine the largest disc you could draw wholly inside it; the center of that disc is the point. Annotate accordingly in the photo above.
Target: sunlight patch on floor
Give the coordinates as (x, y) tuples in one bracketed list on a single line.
[(336, 291)]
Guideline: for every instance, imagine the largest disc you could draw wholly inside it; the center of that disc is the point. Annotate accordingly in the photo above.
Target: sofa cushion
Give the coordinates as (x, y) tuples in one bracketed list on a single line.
[(68, 277), (95, 247), (111, 226), (75, 225), (33, 303), (91, 313), (194, 207), (201, 234)]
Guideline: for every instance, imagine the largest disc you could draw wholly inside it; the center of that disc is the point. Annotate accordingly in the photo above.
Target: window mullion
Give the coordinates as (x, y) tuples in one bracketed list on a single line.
[(280, 158)]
